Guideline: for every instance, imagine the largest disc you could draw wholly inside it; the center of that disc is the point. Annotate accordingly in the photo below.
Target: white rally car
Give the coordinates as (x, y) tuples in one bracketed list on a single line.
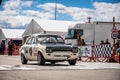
[(47, 48)]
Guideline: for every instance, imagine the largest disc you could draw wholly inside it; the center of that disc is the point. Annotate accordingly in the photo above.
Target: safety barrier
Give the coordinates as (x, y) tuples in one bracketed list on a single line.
[(85, 52), (15, 51), (103, 52), (99, 53)]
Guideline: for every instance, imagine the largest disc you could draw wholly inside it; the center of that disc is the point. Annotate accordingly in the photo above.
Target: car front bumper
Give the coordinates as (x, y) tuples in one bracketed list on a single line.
[(61, 56)]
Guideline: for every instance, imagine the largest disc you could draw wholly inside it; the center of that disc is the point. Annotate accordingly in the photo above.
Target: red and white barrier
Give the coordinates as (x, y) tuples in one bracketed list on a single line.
[(99, 53), (14, 52)]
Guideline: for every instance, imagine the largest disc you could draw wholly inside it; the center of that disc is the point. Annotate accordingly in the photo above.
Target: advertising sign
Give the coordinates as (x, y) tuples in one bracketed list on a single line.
[(85, 51)]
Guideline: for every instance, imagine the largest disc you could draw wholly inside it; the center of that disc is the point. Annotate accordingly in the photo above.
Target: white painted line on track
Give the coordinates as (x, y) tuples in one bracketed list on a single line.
[(14, 67), (78, 66), (16, 59), (88, 66)]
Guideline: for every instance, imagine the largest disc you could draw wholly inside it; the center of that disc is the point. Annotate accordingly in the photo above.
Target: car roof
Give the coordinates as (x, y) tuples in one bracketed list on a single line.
[(39, 34)]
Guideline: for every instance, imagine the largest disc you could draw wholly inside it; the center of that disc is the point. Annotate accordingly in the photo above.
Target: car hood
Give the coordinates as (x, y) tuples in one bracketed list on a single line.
[(60, 47)]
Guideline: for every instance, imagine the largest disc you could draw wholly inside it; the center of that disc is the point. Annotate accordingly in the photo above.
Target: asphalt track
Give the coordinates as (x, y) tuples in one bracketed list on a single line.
[(12, 69)]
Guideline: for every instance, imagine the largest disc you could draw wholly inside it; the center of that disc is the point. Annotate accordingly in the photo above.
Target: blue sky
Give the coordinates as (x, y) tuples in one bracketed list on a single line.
[(18, 13)]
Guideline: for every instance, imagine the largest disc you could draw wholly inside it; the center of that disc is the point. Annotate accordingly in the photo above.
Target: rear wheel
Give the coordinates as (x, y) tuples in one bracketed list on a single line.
[(72, 62), (23, 59), (40, 59)]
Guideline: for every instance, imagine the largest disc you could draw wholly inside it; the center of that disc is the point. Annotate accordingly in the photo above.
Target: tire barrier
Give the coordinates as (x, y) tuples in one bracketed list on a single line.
[(100, 53)]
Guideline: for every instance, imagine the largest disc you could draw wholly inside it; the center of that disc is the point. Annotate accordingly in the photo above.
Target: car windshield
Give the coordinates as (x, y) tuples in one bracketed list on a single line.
[(48, 39)]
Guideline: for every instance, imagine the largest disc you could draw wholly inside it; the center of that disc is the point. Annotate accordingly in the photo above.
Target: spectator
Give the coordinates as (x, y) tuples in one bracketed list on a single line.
[(107, 41), (10, 46), (83, 42), (2, 47), (102, 42), (118, 43), (79, 40), (118, 50), (118, 34)]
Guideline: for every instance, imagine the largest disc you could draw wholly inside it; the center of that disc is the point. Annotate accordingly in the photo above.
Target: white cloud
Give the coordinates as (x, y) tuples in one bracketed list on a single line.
[(51, 7), (105, 11), (101, 12), (38, 14), (12, 5), (13, 14), (47, 7), (27, 3), (75, 12), (80, 14)]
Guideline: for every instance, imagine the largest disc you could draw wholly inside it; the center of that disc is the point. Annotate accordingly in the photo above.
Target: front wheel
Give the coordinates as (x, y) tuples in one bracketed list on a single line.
[(40, 59), (23, 59), (72, 62), (53, 62)]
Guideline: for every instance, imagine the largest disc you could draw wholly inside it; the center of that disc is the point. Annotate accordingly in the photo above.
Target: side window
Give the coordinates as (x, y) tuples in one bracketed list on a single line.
[(60, 40), (33, 41), (46, 41), (52, 40), (28, 41)]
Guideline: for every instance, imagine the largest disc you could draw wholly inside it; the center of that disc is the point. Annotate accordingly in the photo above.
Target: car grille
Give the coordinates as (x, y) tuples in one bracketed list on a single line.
[(62, 49)]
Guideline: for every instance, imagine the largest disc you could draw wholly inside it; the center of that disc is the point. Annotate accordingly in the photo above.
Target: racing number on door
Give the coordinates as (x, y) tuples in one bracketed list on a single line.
[(30, 51)]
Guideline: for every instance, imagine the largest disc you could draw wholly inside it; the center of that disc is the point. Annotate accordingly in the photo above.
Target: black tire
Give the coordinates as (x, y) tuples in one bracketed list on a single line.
[(40, 59), (72, 62), (53, 62), (23, 59)]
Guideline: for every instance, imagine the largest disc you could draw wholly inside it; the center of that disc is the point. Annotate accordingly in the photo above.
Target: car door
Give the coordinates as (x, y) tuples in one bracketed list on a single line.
[(33, 49), (27, 48)]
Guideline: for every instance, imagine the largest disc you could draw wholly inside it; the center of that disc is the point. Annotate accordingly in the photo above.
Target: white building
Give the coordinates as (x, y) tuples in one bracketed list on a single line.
[(14, 34)]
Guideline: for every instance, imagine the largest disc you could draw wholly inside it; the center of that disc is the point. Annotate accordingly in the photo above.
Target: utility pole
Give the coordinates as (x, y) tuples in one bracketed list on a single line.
[(113, 27), (55, 8)]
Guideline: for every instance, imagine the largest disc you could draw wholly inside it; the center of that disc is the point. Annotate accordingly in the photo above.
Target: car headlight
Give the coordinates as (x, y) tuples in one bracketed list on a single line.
[(48, 50), (75, 49)]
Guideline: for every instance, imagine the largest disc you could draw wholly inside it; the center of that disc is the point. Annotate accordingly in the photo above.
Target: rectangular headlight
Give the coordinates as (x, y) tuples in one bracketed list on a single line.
[(75, 49)]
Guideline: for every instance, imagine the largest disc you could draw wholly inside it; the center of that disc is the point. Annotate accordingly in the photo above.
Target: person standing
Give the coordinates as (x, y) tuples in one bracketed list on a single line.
[(2, 47), (83, 42), (10, 46), (79, 40), (107, 42), (102, 42), (118, 51)]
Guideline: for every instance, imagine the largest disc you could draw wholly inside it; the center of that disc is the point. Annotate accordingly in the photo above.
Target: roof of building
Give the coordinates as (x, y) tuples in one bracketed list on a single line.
[(13, 33), (38, 25)]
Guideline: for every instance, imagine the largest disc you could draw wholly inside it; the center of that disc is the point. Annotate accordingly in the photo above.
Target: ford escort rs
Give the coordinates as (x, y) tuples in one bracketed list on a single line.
[(47, 48)]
